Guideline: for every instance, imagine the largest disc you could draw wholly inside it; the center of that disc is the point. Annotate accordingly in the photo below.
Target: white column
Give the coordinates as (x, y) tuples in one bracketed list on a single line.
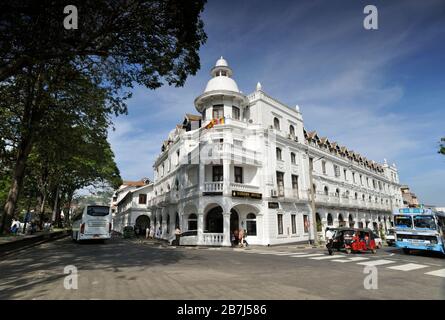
[(226, 221), (200, 228), (226, 175)]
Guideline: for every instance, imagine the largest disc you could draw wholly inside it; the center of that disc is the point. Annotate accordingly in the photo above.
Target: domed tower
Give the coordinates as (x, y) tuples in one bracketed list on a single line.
[(221, 97)]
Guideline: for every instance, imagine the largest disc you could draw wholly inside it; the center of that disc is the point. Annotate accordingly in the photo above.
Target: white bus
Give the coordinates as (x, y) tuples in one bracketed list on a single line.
[(91, 222)]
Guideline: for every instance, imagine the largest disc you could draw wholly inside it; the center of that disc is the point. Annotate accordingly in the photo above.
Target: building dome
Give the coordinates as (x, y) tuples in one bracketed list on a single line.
[(221, 78), (221, 83), (221, 62)]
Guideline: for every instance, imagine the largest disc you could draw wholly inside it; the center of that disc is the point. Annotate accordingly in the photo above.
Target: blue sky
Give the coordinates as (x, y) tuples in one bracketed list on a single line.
[(378, 92)]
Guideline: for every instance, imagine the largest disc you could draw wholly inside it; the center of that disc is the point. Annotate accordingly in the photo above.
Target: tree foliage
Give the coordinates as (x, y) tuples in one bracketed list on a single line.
[(442, 146), (60, 86)]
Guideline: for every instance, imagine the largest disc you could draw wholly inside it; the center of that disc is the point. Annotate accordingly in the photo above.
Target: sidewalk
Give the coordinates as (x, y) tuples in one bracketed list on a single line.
[(11, 244)]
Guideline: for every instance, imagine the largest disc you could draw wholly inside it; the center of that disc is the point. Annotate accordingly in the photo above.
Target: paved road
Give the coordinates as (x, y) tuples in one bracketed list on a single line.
[(120, 269)]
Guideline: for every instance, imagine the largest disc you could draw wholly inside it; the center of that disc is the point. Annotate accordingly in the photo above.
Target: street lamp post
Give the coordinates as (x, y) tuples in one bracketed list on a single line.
[(312, 193)]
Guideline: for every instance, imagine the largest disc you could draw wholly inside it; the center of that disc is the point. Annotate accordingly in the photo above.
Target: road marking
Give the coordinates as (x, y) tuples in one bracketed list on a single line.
[(326, 257), (376, 262), (352, 259), (307, 255), (408, 267), (437, 273)]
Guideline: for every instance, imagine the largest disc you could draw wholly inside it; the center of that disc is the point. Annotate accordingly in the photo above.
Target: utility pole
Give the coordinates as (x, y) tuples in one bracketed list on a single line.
[(312, 193)]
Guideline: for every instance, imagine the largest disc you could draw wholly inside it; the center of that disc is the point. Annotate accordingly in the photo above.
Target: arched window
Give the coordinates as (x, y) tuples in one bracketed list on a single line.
[(176, 185), (356, 196), (292, 131), (337, 192), (251, 224), (192, 222), (276, 123), (168, 223), (330, 220), (278, 152), (293, 158), (326, 190), (363, 197), (235, 113)]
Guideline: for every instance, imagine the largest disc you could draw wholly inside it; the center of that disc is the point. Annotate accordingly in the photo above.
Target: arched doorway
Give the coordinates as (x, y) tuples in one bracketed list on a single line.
[(234, 220), (142, 223), (318, 221), (330, 220), (341, 221), (214, 222)]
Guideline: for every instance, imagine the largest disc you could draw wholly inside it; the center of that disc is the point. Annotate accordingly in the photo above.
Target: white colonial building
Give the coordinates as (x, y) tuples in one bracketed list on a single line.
[(245, 161), (129, 205)]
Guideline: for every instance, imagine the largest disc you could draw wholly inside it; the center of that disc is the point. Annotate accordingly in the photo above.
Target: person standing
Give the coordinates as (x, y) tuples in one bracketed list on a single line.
[(177, 235), (329, 240), (147, 232), (241, 237)]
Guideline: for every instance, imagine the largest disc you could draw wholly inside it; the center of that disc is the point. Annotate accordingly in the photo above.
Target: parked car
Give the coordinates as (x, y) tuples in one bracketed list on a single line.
[(391, 237), (378, 241)]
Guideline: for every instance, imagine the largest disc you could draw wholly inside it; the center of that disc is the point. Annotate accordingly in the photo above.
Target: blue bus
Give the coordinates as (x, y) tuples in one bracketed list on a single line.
[(419, 229)]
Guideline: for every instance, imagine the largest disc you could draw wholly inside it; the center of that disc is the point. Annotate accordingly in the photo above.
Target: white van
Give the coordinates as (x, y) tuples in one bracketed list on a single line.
[(91, 222)]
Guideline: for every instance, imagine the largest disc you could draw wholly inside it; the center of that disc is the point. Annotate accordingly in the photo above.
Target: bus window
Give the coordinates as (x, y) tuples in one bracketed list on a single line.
[(98, 211), (424, 222), (403, 221)]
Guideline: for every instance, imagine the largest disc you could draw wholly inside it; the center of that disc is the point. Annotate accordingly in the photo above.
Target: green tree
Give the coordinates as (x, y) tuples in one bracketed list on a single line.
[(118, 43), (442, 146)]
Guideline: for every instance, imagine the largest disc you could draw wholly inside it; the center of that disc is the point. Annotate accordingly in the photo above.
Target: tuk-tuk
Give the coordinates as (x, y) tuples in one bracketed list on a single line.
[(354, 240)]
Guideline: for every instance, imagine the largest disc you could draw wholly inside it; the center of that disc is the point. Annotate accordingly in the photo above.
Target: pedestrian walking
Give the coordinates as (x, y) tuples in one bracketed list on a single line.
[(177, 235), (152, 232), (329, 235), (235, 236), (241, 237), (147, 232)]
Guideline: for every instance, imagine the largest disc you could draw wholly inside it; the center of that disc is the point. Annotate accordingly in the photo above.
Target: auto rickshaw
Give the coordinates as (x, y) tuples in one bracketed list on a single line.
[(362, 241), (353, 240)]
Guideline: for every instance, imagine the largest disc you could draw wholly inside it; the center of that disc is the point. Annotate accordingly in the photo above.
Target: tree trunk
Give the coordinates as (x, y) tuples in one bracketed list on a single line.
[(41, 208), (31, 117), (56, 200), (17, 181)]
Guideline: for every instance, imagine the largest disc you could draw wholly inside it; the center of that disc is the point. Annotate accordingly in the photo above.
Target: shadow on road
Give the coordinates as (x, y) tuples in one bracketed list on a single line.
[(32, 269)]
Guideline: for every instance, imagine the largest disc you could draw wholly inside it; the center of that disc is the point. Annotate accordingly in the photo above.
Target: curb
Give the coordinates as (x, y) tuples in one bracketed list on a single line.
[(22, 244)]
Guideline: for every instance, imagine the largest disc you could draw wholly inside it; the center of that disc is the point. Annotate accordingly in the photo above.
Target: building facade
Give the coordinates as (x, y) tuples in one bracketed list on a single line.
[(246, 161), (410, 199), (129, 205)]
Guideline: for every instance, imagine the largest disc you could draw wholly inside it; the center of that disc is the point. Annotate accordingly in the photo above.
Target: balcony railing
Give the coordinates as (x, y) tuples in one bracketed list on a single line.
[(213, 186), (213, 239)]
